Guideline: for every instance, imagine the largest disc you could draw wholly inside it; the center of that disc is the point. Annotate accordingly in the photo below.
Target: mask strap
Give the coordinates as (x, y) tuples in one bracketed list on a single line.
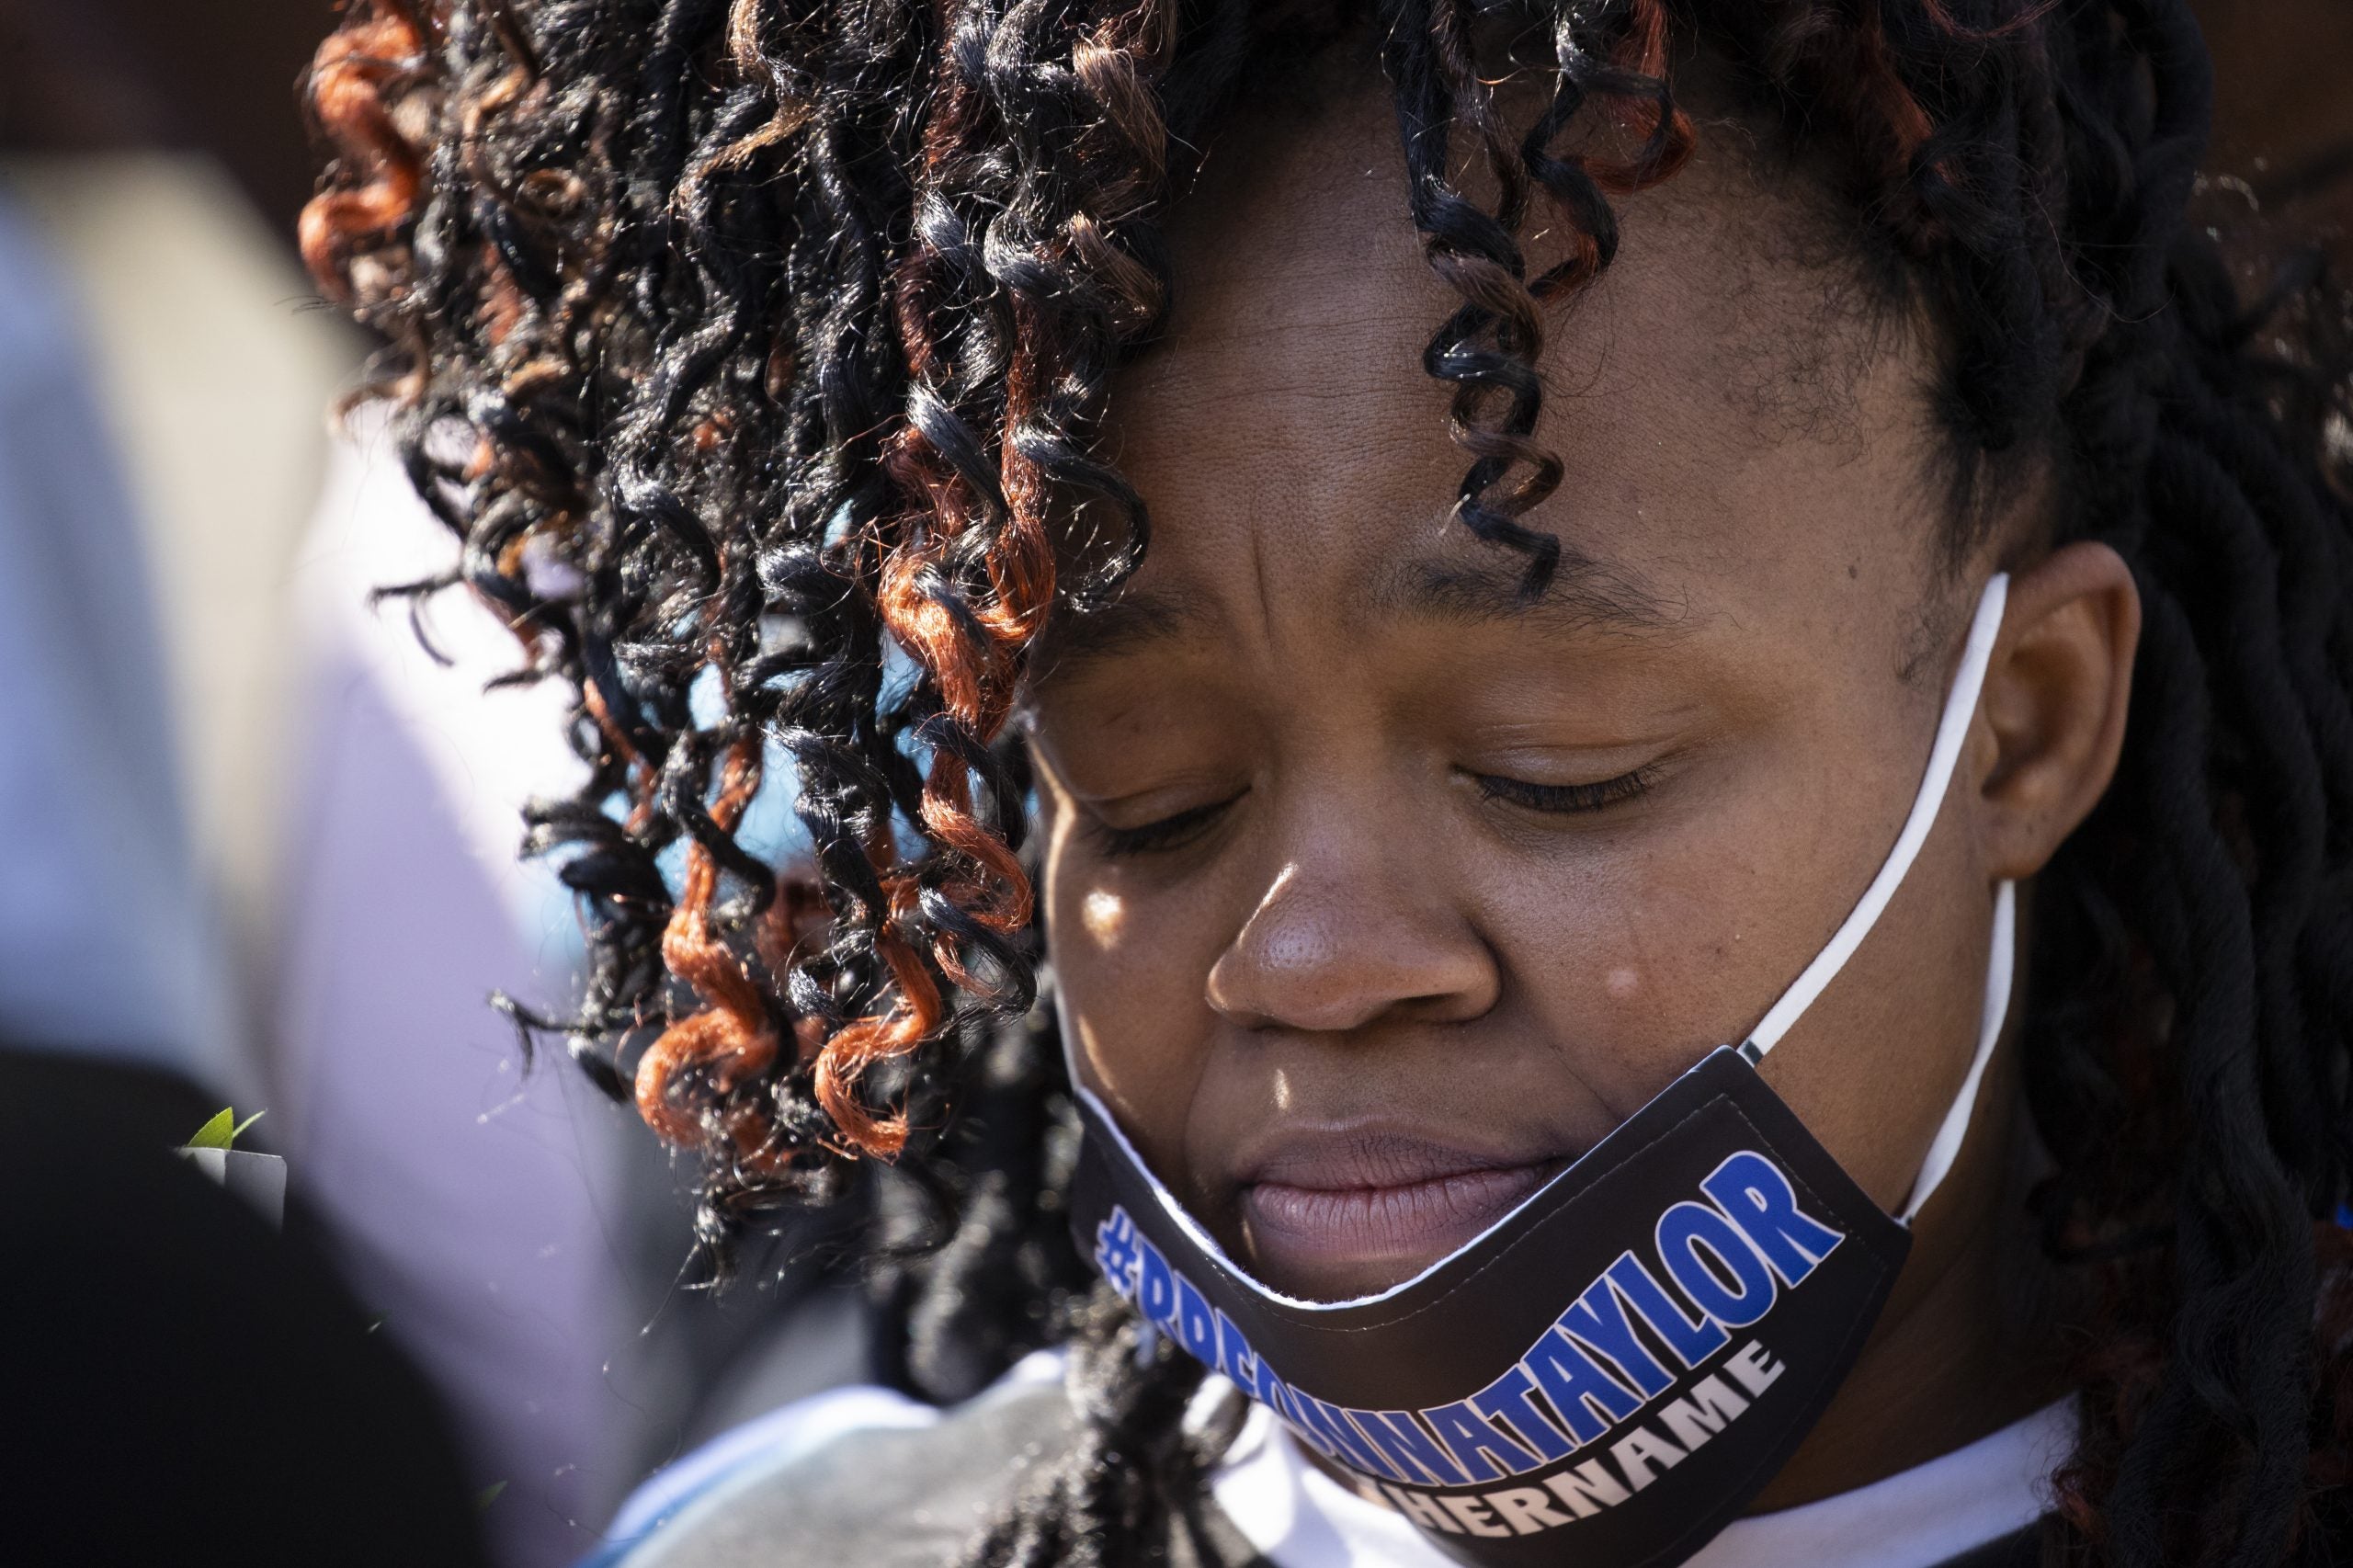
[(1945, 1147), (1961, 707)]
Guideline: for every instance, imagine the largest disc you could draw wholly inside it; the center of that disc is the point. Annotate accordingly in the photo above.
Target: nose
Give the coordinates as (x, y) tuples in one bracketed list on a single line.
[(1347, 934)]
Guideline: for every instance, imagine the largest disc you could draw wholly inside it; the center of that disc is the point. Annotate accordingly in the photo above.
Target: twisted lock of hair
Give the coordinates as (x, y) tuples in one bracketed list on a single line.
[(1488, 348), (745, 348), (968, 571)]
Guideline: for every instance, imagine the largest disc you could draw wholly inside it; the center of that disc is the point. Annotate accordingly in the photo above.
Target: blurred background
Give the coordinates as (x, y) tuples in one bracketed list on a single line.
[(257, 834), (254, 833)]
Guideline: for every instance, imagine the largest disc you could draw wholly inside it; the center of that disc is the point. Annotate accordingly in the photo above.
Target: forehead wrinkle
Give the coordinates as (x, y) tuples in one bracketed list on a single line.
[(1585, 594)]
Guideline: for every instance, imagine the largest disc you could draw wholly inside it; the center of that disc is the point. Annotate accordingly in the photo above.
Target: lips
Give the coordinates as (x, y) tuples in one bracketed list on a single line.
[(1352, 1211)]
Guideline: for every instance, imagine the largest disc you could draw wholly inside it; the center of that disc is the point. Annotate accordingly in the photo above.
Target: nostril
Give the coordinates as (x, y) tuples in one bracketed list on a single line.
[(1290, 982), (1329, 966)]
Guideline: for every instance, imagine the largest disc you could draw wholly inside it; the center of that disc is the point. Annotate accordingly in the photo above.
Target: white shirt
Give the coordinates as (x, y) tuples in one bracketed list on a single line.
[(1297, 1517)]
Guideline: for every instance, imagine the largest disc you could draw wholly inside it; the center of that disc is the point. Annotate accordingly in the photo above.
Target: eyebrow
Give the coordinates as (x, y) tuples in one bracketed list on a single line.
[(1137, 618), (1584, 596)]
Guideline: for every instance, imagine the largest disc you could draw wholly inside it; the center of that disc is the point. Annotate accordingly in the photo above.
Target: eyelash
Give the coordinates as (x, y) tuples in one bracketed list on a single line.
[(1564, 799), (1559, 800), (1168, 833)]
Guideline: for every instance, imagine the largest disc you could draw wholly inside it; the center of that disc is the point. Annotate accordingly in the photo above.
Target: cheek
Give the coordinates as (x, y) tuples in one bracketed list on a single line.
[(1128, 992), (1637, 959), (1631, 967), (1876, 1062), (1634, 964)]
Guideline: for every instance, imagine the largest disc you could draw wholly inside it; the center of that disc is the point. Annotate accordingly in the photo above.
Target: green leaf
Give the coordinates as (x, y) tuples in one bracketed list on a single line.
[(218, 1134), (223, 1130), (488, 1495)]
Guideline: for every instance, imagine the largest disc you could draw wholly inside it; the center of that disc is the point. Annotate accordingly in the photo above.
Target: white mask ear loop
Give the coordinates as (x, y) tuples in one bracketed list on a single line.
[(1944, 758), (1945, 1147)]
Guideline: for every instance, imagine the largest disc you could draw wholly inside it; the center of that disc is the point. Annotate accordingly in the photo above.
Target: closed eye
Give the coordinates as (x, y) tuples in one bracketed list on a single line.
[(1564, 799), (1168, 833)]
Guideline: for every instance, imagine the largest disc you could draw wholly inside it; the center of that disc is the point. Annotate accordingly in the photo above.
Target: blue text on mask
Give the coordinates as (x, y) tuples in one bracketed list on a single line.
[(1606, 1357)]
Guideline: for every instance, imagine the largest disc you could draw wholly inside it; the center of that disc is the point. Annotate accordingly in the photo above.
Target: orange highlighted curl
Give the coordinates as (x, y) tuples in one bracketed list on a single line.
[(355, 77)]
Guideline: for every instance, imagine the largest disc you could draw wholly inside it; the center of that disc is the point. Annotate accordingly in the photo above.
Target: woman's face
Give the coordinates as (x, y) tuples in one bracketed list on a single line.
[(1374, 894)]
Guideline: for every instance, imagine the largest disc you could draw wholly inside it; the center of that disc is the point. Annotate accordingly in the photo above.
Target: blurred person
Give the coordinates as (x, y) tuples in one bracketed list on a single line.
[(137, 138), (109, 942), (182, 1384), (1414, 819)]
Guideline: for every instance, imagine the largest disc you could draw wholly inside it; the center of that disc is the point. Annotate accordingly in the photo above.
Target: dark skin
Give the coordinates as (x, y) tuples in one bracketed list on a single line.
[(1375, 896)]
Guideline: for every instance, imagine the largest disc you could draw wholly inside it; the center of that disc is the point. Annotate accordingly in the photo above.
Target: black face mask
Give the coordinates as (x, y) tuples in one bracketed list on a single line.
[(1610, 1373)]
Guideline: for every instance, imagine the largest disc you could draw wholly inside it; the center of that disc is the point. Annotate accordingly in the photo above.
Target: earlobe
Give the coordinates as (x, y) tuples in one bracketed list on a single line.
[(2056, 697)]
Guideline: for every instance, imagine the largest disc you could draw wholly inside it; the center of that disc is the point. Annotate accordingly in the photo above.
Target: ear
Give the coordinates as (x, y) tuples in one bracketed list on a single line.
[(2055, 700)]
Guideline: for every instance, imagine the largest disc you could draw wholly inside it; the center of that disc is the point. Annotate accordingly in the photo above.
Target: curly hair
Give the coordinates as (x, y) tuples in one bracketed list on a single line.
[(753, 354)]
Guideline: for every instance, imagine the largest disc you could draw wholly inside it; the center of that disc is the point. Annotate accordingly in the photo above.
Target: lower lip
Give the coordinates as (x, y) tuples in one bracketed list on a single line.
[(1302, 1229)]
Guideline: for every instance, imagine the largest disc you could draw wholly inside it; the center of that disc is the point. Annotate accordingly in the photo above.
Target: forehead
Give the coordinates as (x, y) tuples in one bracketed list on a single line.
[(1727, 400)]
